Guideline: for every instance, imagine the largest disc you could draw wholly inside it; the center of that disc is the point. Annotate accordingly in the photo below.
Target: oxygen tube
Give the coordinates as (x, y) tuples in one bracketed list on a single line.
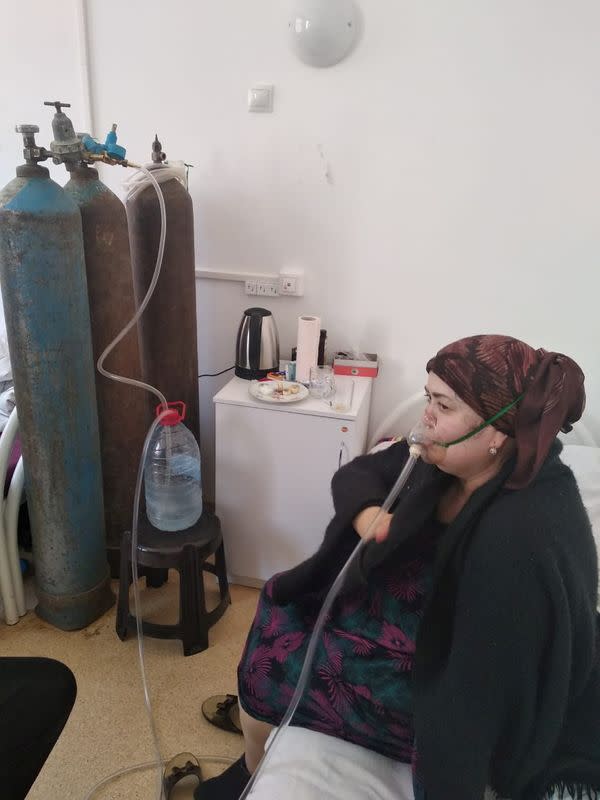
[(483, 425), (416, 440), (419, 438)]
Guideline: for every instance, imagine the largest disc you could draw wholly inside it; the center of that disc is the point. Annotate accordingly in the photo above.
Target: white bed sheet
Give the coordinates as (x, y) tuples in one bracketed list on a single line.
[(585, 463), (306, 765)]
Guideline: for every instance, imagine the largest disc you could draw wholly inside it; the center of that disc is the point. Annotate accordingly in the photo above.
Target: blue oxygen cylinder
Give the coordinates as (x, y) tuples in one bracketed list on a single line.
[(44, 292)]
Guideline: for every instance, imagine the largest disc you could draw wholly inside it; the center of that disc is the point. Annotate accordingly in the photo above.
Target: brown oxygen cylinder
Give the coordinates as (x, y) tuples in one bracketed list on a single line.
[(123, 412), (168, 338)]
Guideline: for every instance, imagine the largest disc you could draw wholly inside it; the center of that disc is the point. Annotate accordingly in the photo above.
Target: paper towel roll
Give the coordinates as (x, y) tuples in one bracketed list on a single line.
[(309, 331)]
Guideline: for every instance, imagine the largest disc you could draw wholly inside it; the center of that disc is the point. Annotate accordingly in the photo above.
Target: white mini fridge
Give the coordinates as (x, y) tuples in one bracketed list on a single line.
[(274, 464)]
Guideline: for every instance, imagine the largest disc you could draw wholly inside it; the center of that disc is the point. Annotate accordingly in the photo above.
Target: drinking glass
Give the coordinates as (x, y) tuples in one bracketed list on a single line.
[(344, 393), (321, 382)]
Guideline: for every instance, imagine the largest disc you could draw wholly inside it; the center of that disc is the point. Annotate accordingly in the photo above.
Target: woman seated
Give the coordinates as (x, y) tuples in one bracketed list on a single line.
[(466, 641)]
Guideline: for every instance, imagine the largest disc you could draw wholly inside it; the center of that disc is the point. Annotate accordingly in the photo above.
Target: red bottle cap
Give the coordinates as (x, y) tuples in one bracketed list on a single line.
[(174, 416)]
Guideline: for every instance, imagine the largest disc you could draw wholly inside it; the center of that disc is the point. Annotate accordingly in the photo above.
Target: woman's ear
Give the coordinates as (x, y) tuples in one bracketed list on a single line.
[(498, 439), (502, 442)]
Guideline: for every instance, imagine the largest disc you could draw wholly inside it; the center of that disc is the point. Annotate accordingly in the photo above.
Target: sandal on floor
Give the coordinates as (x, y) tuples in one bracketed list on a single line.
[(223, 711), (179, 767)]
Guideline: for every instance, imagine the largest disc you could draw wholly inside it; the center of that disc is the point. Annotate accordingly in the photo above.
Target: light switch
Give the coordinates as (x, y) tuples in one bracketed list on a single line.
[(260, 98)]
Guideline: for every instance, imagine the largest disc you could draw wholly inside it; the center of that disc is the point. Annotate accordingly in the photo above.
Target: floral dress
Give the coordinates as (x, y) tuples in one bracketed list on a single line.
[(360, 685)]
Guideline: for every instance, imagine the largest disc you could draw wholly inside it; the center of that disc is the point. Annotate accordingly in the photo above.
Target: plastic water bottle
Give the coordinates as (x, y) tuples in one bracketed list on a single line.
[(172, 474)]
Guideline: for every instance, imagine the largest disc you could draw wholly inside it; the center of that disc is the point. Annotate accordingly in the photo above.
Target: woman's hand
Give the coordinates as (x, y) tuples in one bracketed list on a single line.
[(363, 521)]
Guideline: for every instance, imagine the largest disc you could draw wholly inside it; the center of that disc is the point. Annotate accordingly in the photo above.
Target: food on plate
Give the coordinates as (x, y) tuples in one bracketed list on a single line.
[(275, 390), (283, 389)]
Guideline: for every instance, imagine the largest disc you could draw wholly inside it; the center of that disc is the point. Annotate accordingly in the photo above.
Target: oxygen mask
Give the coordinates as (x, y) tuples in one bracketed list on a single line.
[(422, 443)]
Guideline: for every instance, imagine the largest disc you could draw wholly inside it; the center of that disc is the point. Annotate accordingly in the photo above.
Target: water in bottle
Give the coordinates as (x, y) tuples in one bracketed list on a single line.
[(172, 482)]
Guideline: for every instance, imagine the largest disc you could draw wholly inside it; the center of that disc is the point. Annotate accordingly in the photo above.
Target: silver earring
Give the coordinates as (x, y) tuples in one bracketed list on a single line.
[(493, 451)]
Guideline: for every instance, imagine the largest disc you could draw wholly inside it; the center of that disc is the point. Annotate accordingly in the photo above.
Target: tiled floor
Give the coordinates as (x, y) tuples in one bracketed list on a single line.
[(108, 728)]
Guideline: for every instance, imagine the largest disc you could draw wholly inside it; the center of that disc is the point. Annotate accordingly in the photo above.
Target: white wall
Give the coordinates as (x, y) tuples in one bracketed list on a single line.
[(443, 181), (39, 60)]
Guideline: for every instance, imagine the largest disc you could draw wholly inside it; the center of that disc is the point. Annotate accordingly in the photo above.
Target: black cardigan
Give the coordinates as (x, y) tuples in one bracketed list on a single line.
[(506, 680)]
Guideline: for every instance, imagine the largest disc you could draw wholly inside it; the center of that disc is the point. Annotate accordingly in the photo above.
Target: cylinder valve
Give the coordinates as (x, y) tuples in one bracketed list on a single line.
[(66, 145), (31, 152)]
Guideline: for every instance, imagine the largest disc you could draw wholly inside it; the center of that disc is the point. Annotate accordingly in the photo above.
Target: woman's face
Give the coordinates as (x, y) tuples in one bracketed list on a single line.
[(448, 418)]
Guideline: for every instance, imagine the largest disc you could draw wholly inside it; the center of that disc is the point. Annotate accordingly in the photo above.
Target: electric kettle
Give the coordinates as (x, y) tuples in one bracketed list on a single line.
[(257, 346)]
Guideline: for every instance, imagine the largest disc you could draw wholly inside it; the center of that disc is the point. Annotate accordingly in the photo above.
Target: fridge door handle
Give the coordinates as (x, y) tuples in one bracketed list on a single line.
[(343, 452)]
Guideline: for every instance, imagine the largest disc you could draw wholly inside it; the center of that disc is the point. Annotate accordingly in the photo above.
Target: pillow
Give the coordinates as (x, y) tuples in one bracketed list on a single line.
[(585, 463), (383, 444)]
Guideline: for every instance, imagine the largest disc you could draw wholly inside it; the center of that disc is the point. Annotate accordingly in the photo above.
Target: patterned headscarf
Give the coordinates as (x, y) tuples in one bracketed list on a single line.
[(490, 372)]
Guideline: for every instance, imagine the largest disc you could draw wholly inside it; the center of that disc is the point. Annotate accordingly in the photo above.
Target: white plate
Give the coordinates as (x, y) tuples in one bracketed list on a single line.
[(267, 391)]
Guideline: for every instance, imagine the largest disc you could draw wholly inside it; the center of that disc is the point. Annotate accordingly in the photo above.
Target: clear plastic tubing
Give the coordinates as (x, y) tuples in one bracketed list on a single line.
[(134, 320), (134, 529), (416, 439), (138, 605), (147, 765)]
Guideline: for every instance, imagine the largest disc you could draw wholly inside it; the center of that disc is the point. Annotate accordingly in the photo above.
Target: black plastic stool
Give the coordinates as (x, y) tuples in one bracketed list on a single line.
[(186, 551)]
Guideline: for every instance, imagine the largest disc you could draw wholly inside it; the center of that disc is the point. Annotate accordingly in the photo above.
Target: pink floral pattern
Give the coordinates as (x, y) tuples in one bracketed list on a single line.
[(360, 687)]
